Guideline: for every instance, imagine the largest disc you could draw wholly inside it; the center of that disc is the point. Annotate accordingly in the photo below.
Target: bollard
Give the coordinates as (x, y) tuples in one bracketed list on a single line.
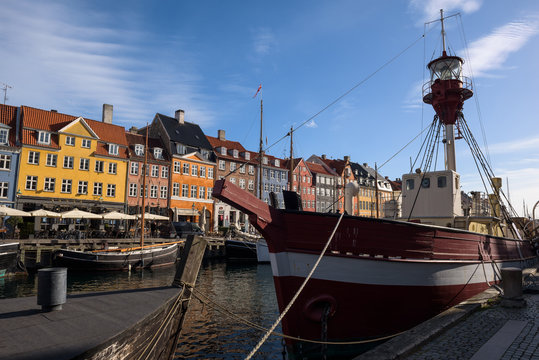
[(51, 288), (512, 287)]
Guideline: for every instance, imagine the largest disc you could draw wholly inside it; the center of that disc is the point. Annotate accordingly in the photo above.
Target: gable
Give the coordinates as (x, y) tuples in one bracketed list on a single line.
[(79, 127)]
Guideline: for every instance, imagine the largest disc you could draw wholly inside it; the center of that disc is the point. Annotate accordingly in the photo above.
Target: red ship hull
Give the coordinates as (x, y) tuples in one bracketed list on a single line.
[(378, 277)]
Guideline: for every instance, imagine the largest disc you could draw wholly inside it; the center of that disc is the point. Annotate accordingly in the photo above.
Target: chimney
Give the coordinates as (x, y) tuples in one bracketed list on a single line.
[(180, 116), (365, 165), (54, 110), (221, 135), (323, 156), (133, 130), (107, 114), (347, 158)]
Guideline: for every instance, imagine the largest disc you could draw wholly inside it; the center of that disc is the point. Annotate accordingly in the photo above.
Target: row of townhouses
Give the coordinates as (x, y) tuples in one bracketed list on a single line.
[(58, 162)]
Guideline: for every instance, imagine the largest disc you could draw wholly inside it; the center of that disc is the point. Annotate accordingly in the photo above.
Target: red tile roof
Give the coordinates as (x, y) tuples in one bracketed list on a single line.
[(336, 165), (8, 116), (319, 169), (229, 145), (133, 139)]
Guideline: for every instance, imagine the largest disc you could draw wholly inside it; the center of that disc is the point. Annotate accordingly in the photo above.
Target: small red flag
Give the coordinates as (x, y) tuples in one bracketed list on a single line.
[(256, 93)]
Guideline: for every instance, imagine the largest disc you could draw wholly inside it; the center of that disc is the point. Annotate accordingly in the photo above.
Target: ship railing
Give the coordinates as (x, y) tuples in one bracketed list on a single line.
[(466, 84)]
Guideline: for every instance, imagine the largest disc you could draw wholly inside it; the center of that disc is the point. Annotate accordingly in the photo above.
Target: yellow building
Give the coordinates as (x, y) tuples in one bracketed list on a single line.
[(69, 161)]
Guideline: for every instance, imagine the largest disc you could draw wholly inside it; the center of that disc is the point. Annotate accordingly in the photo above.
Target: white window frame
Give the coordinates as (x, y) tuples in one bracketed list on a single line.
[(155, 171), (133, 189), (185, 190), (84, 164), (194, 170), (82, 187), (5, 162), (67, 186), (43, 137), (31, 183), (177, 167), (164, 172), (185, 168), (163, 193), (193, 191), (4, 189), (70, 141), (99, 166), (251, 170), (222, 165), (153, 191), (210, 173), (133, 169), (114, 149), (52, 160), (158, 153), (4, 136), (139, 149), (111, 190), (98, 189), (86, 143), (69, 162), (175, 189), (202, 171), (33, 157), (113, 168), (201, 192)]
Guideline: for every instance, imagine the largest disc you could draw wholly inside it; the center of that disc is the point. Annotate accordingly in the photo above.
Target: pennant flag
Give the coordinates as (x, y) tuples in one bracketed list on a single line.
[(256, 93)]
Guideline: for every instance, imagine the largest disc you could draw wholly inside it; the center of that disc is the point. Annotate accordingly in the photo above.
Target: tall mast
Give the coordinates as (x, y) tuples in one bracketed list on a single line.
[(144, 188), (443, 30), (291, 175), (376, 190), (260, 152)]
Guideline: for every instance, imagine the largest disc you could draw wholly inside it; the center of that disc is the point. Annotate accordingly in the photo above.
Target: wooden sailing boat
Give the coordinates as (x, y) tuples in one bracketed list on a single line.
[(143, 256)]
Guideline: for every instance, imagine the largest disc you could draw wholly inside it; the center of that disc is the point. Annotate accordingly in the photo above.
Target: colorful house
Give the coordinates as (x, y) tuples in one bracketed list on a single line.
[(9, 155), (302, 183), (324, 180), (274, 179), (68, 161), (157, 174)]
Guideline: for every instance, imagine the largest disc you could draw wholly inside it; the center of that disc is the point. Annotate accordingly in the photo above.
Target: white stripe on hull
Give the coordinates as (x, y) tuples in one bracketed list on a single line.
[(384, 272)]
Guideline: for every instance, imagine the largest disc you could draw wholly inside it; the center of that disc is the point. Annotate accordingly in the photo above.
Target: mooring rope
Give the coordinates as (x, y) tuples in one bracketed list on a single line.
[(264, 338)]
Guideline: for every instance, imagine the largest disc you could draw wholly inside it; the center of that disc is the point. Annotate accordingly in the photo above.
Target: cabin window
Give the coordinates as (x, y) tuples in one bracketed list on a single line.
[(442, 181), (425, 183), (410, 184)]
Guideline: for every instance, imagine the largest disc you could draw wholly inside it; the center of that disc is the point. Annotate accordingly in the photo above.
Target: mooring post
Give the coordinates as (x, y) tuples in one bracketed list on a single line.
[(51, 288), (512, 287)]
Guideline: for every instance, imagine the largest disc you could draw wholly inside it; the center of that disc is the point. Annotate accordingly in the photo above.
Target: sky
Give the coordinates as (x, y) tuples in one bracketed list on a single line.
[(345, 74)]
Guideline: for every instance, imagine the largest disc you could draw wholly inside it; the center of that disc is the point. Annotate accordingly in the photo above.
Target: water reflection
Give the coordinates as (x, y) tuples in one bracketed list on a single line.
[(245, 290)]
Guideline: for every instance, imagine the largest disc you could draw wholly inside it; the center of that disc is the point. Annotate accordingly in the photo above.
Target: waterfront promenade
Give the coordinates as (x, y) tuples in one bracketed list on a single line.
[(477, 329)]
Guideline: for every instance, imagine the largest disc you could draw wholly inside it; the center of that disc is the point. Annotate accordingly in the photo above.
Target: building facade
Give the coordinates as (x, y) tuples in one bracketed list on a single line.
[(302, 183), (274, 179), (324, 180), (9, 155)]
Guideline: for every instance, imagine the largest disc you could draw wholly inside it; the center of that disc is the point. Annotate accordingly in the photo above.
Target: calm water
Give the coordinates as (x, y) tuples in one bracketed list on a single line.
[(245, 290)]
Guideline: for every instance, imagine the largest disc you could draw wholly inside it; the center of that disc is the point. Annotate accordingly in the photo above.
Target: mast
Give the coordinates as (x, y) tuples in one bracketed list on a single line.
[(291, 175), (144, 167), (260, 153), (443, 30), (376, 190)]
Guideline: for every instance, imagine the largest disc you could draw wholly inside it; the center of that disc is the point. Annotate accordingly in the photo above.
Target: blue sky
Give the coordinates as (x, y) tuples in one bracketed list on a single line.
[(208, 58)]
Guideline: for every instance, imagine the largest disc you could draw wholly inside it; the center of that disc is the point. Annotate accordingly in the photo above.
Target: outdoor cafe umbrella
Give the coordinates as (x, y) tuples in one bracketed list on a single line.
[(152, 217), (45, 213), (115, 215), (7, 211), (79, 214)]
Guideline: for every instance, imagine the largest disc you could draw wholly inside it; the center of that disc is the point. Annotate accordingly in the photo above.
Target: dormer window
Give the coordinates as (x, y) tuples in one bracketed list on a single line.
[(180, 149), (44, 137), (265, 160), (113, 149), (235, 153), (205, 153), (139, 149), (158, 153), (277, 162), (223, 150), (247, 156)]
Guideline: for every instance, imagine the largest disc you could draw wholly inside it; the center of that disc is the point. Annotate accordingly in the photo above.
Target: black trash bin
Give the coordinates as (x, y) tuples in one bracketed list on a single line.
[(51, 288)]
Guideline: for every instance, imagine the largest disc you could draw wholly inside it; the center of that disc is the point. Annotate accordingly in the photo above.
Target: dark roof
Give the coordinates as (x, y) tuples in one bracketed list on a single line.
[(187, 134), (319, 169), (361, 171), (8, 116), (134, 139)]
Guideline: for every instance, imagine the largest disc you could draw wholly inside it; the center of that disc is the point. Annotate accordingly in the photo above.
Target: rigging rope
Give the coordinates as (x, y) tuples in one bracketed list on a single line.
[(293, 300)]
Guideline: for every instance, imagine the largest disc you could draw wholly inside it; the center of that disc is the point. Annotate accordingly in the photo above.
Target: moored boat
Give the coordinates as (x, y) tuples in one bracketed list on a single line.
[(380, 277), (9, 254)]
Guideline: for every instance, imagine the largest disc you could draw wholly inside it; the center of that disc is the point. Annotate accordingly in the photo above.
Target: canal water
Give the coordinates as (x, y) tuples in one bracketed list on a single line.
[(244, 290)]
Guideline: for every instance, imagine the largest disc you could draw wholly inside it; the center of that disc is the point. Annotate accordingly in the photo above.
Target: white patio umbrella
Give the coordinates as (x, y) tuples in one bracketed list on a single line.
[(7, 211), (45, 213), (152, 217), (79, 214), (115, 215)]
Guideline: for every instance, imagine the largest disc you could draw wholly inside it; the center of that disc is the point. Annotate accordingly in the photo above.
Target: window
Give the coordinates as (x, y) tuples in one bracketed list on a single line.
[(175, 189), (235, 153), (51, 160), (164, 192), (70, 140), (177, 167), (66, 186), (111, 190), (5, 162), (164, 172), (68, 162), (193, 191), (283, 176), (84, 164), (223, 150), (210, 173), (133, 189), (232, 166), (49, 184), (4, 187), (425, 183), (158, 153), (242, 168), (134, 168), (265, 160), (277, 162), (409, 184), (112, 168), (43, 137), (205, 154), (155, 170), (272, 174), (242, 183), (442, 181), (86, 143), (139, 149), (31, 182), (83, 187), (4, 135), (180, 149), (185, 168), (185, 190), (251, 185), (194, 170), (247, 156), (113, 149), (98, 188), (145, 191), (265, 173), (266, 187), (222, 165), (153, 191), (209, 192), (233, 180), (202, 172), (201, 192), (99, 166), (33, 157)]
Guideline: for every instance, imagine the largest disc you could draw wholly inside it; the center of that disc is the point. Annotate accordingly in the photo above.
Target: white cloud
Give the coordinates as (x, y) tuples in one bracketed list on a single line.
[(525, 145), (75, 60), (311, 124), (430, 9), (263, 41)]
